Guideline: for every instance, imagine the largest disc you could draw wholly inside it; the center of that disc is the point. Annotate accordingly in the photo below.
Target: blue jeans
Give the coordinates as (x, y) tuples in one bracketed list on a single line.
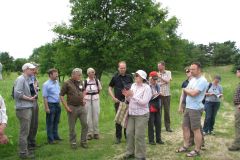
[(52, 120), (211, 109)]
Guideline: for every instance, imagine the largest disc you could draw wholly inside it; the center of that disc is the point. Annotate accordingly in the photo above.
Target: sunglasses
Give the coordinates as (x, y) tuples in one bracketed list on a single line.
[(136, 75)]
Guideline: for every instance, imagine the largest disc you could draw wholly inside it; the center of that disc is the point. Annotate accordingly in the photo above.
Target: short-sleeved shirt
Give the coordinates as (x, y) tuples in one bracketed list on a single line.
[(119, 82), (92, 87), (51, 90), (74, 91), (216, 90), (201, 85), (165, 87)]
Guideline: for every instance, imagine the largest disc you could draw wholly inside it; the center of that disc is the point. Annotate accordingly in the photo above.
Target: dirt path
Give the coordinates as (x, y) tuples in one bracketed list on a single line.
[(216, 146)]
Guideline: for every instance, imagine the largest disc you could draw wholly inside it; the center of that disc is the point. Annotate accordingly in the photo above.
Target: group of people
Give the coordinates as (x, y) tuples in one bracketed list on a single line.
[(146, 99)]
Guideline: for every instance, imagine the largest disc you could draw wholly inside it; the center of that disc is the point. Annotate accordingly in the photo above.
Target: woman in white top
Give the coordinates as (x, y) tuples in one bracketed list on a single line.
[(3, 122), (92, 89), (138, 96)]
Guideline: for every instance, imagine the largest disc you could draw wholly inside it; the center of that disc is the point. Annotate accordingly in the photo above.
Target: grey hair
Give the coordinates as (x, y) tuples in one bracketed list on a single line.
[(90, 70), (79, 70)]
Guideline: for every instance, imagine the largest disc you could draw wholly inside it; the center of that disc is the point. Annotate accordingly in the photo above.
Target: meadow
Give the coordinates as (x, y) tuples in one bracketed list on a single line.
[(104, 148)]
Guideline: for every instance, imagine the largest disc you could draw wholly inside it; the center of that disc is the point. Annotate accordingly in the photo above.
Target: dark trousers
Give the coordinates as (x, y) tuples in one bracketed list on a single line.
[(52, 121), (165, 103), (118, 126), (34, 126), (211, 109), (154, 121)]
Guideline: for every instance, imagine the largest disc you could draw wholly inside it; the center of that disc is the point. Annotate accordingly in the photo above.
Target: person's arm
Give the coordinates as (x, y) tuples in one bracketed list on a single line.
[(65, 104), (62, 93), (191, 92), (45, 95), (3, 137), (112, 94), (180, 108), (167, 79), (19, 91)]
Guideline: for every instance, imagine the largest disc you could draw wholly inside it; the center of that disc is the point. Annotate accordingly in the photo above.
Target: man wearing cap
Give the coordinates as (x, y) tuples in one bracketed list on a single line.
[(51, 98), (164, 79), (119, 81), (75, 107), (24, 103), (154, 108), (34, 88), (236, 143), (212, 104), (138, 96)]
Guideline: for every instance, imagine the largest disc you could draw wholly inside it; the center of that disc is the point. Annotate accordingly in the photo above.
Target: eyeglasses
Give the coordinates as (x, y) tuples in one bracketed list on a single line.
[(187, 71)]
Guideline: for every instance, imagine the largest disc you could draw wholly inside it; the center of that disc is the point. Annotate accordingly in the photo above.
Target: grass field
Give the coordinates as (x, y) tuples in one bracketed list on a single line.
[(104, 149)]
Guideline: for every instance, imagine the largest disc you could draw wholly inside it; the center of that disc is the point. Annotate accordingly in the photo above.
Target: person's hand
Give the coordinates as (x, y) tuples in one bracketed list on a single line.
[(47, 110), (33, 98), (115, 100), (68, 109), (180, 110), (127, 93), (3, 139)]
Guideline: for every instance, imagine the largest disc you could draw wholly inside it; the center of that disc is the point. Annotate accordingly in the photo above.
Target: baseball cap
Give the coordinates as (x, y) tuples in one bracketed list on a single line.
[(28, 65), (154, 75), (142, 74)]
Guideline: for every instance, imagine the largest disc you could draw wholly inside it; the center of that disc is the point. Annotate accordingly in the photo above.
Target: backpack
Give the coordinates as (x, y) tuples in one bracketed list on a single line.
[(86, 84), (204, 99)]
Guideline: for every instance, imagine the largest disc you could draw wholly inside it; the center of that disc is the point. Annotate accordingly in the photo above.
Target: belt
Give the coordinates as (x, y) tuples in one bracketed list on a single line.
[(92, 93), (53, 103)]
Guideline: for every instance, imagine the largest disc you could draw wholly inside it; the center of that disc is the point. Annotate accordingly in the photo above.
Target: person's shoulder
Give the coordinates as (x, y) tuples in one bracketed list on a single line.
[(168, 71)]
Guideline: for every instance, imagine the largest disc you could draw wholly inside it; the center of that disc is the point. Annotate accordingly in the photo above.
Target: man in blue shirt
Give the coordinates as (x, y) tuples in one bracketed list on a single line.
[(51, 91), (195, 92)]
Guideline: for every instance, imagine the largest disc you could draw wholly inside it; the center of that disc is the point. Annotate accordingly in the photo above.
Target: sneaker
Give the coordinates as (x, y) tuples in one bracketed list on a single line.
[(169, 130), (74, 145), (118, 141), (96, 136), (160, 142), (84, 145), (212, 133), (152, 143), (26, 156)]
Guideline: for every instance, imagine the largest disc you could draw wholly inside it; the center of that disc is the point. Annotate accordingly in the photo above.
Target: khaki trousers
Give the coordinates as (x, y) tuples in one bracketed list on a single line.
[(93, 108)]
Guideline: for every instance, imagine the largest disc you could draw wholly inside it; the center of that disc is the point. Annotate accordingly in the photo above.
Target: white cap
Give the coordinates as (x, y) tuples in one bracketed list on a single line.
[(142, 74), (28, 65)]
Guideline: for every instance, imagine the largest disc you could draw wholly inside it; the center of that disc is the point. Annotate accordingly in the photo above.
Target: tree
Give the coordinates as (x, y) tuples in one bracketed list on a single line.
[(18, 63), (103, 32), (7, 61)]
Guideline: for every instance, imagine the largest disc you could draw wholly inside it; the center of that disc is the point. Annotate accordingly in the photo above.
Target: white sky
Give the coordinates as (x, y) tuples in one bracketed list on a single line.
[(27, 24)]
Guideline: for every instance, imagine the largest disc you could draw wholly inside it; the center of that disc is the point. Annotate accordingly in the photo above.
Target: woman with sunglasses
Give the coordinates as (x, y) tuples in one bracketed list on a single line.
[(138, 96)]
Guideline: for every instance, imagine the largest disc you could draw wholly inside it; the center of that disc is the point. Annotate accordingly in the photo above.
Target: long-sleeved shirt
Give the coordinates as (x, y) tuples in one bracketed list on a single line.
[(21, 88), (3, 114), (236, 99), (165, 87), (138, 103)]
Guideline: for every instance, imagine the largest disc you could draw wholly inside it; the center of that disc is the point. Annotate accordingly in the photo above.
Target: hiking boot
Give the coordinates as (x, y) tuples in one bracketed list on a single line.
[(152, 143), (169, 130), (89, 137), (96, 136), (84, 145), (234, 148)]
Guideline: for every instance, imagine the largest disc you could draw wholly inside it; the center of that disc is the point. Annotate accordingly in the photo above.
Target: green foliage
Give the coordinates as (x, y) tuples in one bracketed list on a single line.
[(18, 63), (7, 61), (103, 32)]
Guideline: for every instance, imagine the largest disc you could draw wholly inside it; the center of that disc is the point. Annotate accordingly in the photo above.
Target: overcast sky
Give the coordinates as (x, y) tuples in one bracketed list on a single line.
[(27, 24)]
